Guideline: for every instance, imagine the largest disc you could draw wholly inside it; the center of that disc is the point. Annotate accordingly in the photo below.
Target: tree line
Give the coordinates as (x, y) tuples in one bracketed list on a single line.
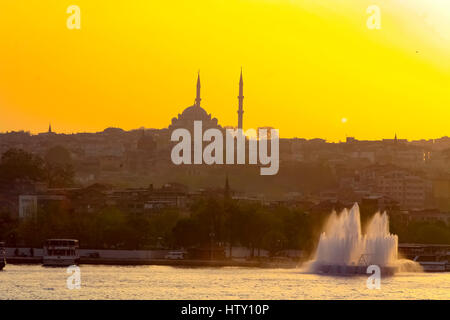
[(209, 220), (55, 169)]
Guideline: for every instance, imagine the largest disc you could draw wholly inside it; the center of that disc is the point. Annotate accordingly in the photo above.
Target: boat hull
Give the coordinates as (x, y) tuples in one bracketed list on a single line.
[(59, 262)]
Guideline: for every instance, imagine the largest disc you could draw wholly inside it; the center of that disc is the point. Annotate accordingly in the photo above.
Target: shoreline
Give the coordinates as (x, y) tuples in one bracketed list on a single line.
[(193, 263), (165, 262)]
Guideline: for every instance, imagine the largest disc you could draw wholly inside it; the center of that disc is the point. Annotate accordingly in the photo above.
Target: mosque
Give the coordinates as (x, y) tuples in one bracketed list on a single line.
[(196, 112)]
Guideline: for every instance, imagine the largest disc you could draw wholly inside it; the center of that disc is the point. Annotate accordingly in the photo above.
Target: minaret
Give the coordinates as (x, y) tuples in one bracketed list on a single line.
[(49, 128), (241, 102), (198, 99)]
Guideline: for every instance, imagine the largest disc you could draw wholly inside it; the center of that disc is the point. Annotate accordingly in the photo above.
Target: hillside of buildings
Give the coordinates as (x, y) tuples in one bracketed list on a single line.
[(119, 189)]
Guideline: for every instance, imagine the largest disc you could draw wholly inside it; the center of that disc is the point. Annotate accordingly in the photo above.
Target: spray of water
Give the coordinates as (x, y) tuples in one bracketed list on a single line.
[(343, 244)]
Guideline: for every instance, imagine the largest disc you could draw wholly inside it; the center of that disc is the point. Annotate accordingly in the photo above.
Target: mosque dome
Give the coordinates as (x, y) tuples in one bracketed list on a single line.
[(195, 113)]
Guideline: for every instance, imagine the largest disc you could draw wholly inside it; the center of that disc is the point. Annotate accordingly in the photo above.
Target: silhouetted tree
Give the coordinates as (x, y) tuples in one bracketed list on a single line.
[(59, 175), (58, 155), (19, 164)]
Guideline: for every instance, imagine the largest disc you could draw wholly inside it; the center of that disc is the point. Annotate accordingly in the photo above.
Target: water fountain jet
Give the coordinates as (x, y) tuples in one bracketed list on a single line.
[(343, 249)]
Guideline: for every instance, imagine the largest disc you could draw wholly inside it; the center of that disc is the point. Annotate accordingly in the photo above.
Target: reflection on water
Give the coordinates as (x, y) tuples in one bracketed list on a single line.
[(162, 282)]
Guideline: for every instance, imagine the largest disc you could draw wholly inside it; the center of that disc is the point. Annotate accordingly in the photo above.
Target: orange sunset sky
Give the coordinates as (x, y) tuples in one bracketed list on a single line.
[(307, 65)]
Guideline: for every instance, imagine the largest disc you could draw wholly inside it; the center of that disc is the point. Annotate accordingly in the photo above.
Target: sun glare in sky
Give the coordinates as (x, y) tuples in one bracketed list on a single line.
[(305, 63)]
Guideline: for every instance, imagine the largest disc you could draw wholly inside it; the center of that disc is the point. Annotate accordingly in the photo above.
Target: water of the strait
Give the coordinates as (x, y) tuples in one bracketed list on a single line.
[(163, 282)]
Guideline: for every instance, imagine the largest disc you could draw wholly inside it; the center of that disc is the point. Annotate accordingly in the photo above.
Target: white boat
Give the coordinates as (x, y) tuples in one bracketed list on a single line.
[(61, 252), (2, 256)]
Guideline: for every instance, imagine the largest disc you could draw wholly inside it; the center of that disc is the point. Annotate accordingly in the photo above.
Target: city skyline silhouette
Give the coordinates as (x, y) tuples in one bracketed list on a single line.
[(306, 66)]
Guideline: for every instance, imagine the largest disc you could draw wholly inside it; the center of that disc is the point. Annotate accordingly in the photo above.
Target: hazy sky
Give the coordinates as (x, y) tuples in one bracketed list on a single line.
[(307, 65)]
